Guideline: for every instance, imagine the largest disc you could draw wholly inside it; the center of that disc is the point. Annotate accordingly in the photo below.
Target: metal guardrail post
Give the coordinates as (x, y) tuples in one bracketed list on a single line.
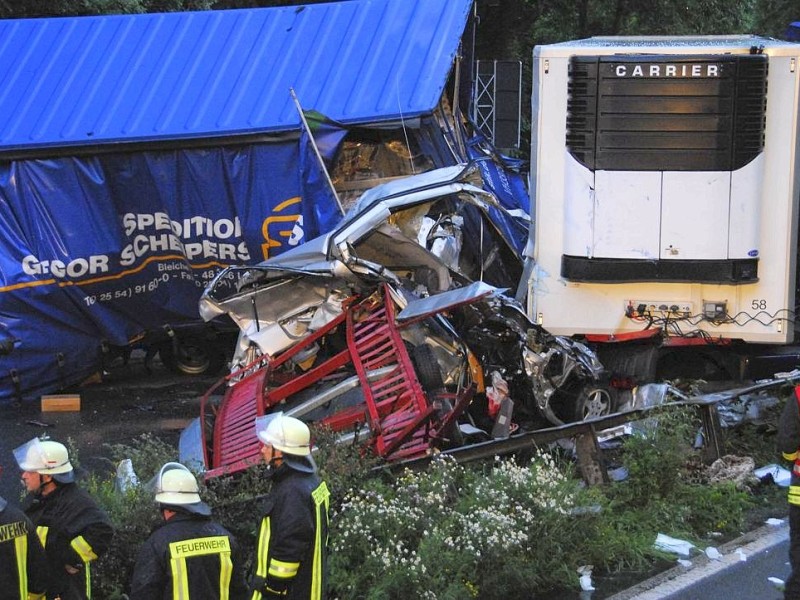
[(712, 432), (590, 458)]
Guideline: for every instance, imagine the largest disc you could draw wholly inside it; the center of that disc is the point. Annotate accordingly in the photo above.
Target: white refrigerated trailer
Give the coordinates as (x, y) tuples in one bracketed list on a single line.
[(664, 182)]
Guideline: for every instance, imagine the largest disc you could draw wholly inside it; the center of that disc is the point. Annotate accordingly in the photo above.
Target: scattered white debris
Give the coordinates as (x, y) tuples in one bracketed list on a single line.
[(741, 554), (468, 429), (745, 407), (126, 476), (778, 583), (655, 394), (585, 573), (613, 432), (773, 522), (788, 374), (713, 554), (684, 563), (674, 545), (779, 474), (618, 474)]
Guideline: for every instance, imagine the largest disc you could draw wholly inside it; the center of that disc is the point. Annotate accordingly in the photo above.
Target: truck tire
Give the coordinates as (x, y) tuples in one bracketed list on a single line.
[(427, 368), (192, 356)]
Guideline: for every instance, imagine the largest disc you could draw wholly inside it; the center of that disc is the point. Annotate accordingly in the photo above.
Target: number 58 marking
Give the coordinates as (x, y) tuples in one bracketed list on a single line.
[(759, 304)]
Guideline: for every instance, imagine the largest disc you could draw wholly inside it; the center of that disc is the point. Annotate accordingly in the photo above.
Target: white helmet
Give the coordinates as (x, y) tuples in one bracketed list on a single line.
[(287, 434), (47, 458), (177, 486)]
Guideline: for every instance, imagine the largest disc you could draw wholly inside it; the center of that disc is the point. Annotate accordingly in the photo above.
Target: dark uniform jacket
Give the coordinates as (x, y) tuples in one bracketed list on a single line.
[(291, 559), (74, 531), (23, 568), (789, 442), (189, 557)]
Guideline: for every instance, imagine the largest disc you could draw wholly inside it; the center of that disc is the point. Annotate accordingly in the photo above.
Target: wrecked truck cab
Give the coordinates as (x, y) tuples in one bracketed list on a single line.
[(392, 330), (357, 370), (437, 229)]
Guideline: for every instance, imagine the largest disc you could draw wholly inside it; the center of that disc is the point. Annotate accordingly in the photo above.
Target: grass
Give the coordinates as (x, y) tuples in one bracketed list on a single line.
[(757, 439)]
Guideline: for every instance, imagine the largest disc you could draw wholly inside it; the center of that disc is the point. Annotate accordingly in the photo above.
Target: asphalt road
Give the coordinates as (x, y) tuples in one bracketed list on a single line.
[(742, 572), (128, 403)]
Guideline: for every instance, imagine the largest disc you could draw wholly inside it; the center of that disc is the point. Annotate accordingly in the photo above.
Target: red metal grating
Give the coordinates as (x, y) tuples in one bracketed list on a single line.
[(396, 404)]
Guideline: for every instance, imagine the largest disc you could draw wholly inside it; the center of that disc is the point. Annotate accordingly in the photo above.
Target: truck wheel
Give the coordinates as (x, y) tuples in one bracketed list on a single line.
[(192, 356)]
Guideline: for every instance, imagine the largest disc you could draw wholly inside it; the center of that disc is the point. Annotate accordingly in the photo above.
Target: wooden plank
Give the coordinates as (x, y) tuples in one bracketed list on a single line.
[(61, 403)]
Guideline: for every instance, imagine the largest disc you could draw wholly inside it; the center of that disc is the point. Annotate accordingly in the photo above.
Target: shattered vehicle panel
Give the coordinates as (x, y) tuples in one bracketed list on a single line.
[(393, 330)]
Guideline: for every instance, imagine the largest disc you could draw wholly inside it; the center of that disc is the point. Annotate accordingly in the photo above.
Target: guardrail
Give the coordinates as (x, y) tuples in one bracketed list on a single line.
[(585, 433)]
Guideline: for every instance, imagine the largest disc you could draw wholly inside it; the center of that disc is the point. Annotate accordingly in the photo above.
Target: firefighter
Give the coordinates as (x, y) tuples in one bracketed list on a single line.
[(789, 447), (188, 555), (73, 530), (23, 567), (291, 554)]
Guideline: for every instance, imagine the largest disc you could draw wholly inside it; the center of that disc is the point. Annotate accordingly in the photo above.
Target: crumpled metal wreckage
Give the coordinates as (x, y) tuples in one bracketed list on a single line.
[(394, 331)]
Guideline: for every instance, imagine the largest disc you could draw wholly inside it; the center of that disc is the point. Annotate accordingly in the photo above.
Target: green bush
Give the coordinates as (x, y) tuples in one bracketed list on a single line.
[(508, 530), (663, 485), (343, 466), (235, 500), (504, 529), (716, 508), (657, 454), (450, 531), (133, 512)]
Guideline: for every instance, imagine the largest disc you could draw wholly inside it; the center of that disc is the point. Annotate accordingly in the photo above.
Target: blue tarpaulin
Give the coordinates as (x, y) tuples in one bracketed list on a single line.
[(502, 177), (106, 247), (126, 79), (140, 153)]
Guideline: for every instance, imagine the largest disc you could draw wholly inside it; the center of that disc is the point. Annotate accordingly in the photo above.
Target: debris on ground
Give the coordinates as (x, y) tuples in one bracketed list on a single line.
[(736, 469), (673, 545), (775, 474)]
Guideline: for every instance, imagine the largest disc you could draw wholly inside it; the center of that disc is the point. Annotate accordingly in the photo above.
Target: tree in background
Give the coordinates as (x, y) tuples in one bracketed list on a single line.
[(15, 9), (772, 16), (508, 28)]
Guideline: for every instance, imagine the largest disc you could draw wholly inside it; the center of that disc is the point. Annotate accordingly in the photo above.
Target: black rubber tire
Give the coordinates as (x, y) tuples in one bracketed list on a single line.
[(426, 367), (192, 356)]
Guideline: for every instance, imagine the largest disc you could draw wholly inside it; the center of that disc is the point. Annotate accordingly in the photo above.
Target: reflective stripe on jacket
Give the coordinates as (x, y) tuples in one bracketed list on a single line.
[(22, 564), (291, 555), (189, 557), (74, 531), (789, 441)]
